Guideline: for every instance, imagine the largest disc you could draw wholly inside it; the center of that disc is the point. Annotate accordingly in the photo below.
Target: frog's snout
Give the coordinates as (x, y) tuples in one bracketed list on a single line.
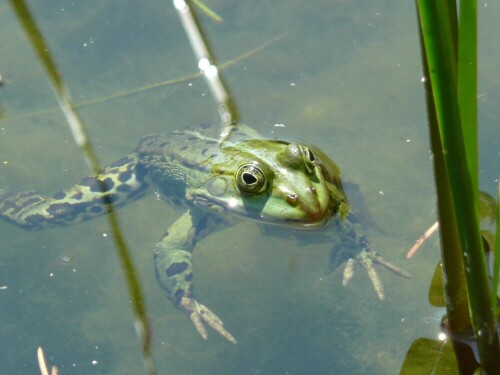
[(317, 215), (313, 210)]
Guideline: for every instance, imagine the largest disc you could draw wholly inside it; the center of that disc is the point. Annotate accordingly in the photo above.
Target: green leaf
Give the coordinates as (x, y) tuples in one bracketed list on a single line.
[(427, 356), (436, 289)]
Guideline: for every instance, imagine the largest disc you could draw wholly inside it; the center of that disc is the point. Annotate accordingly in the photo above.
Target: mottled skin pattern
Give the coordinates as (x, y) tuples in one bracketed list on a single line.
[(245, 178), (118, 183)]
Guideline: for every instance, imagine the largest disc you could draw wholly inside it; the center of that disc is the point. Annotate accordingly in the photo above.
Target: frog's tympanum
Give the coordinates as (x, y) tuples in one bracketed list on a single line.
[(246, 177)]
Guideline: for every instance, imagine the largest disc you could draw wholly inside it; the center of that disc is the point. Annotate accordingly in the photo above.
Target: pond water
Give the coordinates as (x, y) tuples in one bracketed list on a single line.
[(344, 76)]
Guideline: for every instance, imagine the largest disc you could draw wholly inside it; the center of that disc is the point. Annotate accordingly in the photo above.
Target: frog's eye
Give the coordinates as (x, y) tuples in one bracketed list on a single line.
[(310, 159), (311, 156), (250, 179)]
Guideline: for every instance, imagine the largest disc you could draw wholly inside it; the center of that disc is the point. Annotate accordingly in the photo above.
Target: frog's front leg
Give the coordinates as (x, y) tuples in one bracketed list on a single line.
[(173, 266), (366, 256)]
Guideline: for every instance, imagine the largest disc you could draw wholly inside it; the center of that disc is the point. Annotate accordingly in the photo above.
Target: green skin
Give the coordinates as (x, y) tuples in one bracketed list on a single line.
[(247, 177)]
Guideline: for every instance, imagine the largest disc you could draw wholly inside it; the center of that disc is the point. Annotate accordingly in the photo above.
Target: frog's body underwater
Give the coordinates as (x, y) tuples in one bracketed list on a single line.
[(245, 177)]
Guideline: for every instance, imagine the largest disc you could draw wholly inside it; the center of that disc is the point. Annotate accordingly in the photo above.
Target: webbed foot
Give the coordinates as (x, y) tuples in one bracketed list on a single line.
[(200, 314), (367, 259)]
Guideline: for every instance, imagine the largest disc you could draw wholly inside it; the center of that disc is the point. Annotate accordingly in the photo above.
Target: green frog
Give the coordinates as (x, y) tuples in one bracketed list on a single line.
[(245, 177)]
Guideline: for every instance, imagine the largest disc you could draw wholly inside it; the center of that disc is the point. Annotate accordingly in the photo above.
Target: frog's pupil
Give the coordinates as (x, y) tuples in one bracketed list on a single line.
[(249, 178), (311, 155)]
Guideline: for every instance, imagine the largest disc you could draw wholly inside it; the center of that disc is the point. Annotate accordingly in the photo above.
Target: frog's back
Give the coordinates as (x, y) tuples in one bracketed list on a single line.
[(193, 143), (181, 159), (172, 150)]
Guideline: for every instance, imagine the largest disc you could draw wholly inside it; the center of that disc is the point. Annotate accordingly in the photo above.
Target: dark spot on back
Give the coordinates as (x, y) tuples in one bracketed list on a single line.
[(35, 219), (97, 186), (108, 184), (92, 183), (125, 176), (176, 268), (60, 195), (62, 209)]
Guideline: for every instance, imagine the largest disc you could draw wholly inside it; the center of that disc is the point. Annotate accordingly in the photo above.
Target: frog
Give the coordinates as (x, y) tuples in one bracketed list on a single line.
[(245, 177)]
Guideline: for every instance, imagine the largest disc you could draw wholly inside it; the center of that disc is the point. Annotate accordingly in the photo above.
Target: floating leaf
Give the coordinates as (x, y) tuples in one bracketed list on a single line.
[(427, 356)]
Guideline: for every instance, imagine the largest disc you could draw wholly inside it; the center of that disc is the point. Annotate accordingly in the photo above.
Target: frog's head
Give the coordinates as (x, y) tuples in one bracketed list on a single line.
[(273, 182)]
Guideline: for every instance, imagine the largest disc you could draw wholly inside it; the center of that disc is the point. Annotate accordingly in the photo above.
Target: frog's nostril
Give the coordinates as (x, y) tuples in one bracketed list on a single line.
[(292, 199), (312, 189)]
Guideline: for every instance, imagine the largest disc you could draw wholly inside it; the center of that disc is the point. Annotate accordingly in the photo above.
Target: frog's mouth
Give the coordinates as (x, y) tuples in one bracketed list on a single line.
[(316, 219), (261, 211)]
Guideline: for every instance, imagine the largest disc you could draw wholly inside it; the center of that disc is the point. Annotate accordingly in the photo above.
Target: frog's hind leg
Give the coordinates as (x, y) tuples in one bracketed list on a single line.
[(118, 183), (174, 269)]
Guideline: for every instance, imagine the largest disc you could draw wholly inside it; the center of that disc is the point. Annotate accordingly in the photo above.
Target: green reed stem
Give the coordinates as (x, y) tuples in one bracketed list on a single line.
[(467, 85), (438, 25)]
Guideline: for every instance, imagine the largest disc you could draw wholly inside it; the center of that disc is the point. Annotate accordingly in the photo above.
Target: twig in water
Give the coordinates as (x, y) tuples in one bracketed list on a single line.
[(421, 240), (43, 365)]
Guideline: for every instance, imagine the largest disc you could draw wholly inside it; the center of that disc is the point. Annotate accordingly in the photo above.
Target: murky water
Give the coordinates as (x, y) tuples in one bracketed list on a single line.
[(345, 77)]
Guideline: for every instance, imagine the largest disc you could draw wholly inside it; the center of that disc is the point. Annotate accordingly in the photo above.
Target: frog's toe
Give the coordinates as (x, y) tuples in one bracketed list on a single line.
[(348, 272), (391, 267), (367, 262), (366, 259), (200, 314)]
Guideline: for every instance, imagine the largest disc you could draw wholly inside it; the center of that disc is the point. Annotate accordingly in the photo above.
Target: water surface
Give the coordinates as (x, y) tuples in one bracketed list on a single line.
[(346, 77)]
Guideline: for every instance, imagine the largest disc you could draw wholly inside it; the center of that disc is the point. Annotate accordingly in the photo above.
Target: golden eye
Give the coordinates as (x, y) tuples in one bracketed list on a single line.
[(250, 179)]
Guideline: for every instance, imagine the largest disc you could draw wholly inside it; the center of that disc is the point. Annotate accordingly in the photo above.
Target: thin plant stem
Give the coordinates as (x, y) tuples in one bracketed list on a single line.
[(82, 140)]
